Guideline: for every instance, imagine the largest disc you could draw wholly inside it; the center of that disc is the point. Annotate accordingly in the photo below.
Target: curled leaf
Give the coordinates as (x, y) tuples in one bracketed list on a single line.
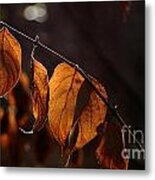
[(10, 61), (40, 94), (92, 115), (109, 152), (64, 87)]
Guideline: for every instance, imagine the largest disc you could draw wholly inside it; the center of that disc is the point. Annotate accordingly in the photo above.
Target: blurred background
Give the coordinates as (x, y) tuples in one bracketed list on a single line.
[(107, 40)]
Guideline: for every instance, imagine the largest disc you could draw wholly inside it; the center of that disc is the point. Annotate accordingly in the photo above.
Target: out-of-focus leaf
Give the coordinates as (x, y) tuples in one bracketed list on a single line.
[(4, 141), (40, 94), (125, 8), (42, 150), (109, 151), (77, 159), (12, 129), (8, 121), (23, 100), (10, 61), (64, 87)]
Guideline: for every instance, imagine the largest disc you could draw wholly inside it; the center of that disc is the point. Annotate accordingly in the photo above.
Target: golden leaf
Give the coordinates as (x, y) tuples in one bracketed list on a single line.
[(10, 61), (40, 94), (64, 87), (109, 151), (92, 115)]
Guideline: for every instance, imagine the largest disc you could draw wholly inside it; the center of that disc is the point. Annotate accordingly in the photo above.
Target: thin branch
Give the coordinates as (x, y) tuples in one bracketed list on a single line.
[(88, 77), (32, 64)]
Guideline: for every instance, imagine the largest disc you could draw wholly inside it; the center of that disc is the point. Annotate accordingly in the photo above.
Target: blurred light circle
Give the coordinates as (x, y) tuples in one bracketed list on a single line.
[(37, 12)]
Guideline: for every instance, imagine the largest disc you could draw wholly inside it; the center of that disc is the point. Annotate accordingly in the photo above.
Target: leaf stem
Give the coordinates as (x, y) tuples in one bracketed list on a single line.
[(88, 77)]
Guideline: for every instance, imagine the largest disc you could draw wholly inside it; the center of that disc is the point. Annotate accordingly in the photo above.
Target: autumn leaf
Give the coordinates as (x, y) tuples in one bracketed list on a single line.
[(64, 91), (64, 85), (10, 61), (22, 94), (8, 121), (40, 94), (92, 115), (109, 151), (35, 103)]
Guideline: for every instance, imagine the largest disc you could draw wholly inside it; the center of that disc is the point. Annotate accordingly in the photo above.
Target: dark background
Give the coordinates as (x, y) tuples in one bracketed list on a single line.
[(95, 36)]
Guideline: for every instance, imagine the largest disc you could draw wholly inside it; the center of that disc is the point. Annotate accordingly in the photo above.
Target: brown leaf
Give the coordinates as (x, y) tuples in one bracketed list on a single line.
[(109, 151), (40, 94), (10, 61), (91, 116), (64, 91), (64, 87)]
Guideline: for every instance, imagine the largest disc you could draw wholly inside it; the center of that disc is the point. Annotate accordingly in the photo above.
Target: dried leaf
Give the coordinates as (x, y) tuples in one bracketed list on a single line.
[(64, 91), (109, 151), (64, 87), (10, 61), (40, 94), (91, 116)]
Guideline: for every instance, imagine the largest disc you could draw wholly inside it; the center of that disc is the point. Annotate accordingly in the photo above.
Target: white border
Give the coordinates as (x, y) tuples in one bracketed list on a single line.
[(33, 1), (40, 174)]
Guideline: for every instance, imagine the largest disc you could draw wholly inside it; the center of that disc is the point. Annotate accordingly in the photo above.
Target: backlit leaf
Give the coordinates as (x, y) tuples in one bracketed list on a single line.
[(40, 94), (10, 61), (91, 116), (64, 87), (110, 149)]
